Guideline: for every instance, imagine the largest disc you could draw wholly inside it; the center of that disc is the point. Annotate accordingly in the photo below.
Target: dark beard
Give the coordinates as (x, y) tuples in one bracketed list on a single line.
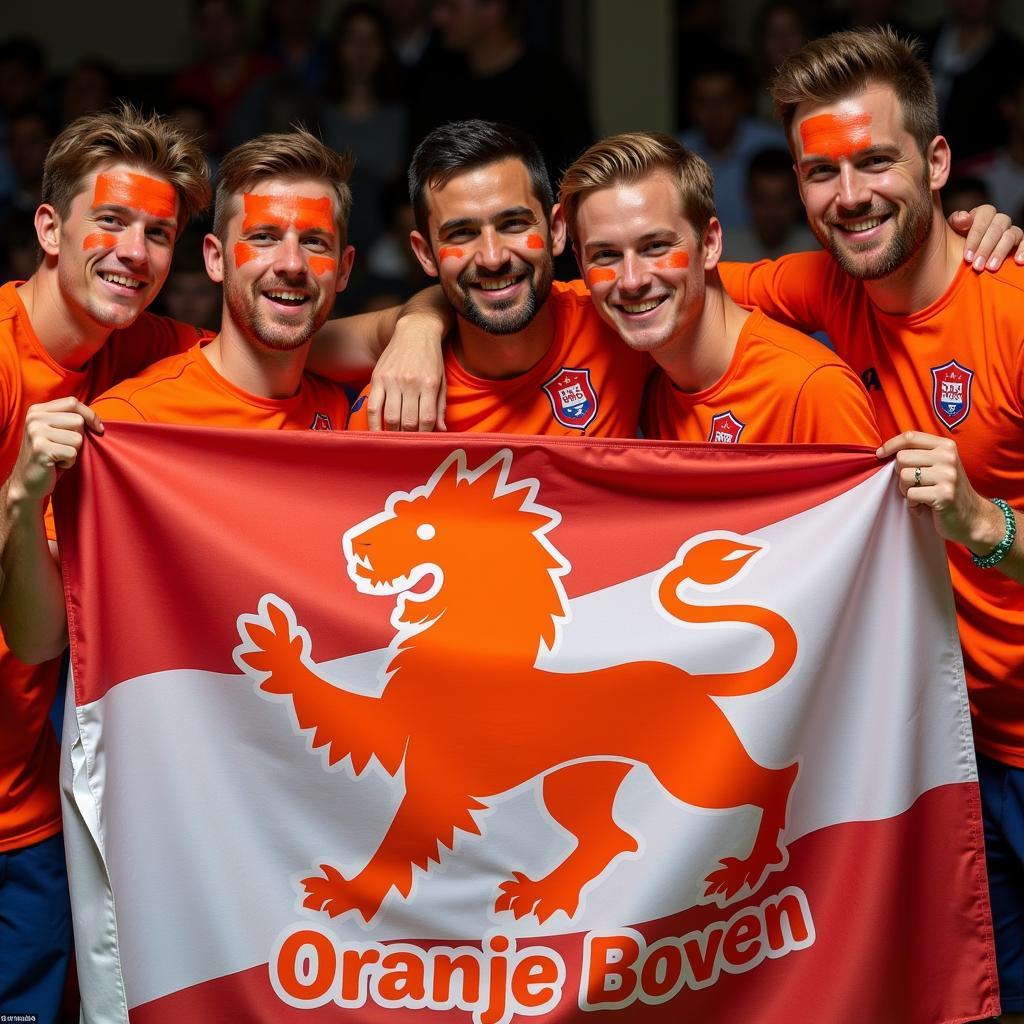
[(507, 320)]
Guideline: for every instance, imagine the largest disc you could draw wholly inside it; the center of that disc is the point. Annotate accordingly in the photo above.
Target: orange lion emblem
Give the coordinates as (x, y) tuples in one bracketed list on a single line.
[(466, 715)]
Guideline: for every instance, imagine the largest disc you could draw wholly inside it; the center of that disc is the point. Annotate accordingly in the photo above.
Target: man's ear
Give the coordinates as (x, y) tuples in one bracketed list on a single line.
[(712, 242), (47, 221), (559, 231), (348, 254), (939, 161), (422, 251), (213, 257)]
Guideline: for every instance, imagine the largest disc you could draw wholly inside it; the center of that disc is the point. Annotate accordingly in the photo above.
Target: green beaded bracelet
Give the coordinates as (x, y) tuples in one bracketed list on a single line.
[(996, 555)]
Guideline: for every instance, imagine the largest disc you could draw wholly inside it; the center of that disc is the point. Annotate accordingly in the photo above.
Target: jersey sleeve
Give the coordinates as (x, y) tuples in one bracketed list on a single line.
[(834, 408), (794, 290), (114, 408), (358, 418), (148, 340)]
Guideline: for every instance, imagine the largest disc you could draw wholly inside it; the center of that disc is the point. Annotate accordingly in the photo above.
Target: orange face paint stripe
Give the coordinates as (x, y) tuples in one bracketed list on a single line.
[(137, 192), (99, 240), (305, 213), (674, 260), (244, 252), (534, 242), (322, 264), (450, 251), (836, 135), (597, 275)]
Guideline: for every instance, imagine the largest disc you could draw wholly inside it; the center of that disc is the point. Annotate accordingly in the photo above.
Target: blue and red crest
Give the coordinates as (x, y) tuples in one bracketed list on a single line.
[(725, 429), (321, 421), (951, 392), (573, 400)]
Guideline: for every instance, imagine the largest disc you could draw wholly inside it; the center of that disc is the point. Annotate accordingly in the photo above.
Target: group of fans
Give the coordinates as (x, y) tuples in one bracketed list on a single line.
[(659, 337)]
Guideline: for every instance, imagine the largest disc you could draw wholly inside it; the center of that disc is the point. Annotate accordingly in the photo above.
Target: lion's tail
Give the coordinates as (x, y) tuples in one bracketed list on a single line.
[(713, 562)]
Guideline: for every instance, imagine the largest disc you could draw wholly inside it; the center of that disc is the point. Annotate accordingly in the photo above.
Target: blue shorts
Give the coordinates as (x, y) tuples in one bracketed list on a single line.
[(1002, 805), (35, 929)]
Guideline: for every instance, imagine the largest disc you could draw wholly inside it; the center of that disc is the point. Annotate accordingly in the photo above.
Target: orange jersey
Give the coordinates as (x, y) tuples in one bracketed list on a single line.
[(781, 387), (954, 369), (185, 389), (589, 383), (29, 799)]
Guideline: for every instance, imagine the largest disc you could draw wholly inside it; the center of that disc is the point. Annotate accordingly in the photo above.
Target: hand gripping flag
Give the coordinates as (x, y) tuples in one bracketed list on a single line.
[(495, 730)]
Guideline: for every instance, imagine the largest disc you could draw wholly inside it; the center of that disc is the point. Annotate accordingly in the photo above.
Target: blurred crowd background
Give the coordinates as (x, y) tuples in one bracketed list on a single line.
[(373, 76)]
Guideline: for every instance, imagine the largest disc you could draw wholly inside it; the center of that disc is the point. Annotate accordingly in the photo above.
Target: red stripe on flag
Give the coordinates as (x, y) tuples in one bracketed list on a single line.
[(240, 514), (878, 893)]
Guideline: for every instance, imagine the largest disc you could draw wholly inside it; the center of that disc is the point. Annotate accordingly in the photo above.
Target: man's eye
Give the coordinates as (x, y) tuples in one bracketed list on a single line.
[(819, 171), (160, 234), (604, 256), (514, 225), (108, 220)]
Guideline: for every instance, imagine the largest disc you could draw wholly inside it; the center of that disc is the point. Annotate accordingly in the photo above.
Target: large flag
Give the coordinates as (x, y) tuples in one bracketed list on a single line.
[(488, 729)]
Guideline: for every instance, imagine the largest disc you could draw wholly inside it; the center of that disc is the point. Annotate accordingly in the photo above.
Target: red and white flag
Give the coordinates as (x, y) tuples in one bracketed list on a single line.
[(491, 730)]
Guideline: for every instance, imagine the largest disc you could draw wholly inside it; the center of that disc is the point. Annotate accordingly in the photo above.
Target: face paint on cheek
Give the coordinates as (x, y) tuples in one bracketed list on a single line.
[(99, 240), (322, 265), (244, 252), (673, 261), (836, 135), (452, 252), (137, 192), (600, 275), (534, 242)]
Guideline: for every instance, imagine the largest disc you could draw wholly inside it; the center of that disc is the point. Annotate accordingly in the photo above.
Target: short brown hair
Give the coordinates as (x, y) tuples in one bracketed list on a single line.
[(126, 135), (295, 154), (631, 156), (828, 69)]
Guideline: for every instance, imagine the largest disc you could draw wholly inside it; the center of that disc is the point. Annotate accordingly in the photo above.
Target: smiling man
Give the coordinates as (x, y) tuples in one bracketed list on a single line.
[(528, 355), (941, 351), (640, 209)]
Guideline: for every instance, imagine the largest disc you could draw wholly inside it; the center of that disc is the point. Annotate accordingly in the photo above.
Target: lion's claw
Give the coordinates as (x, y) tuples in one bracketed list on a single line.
[(521, 895)]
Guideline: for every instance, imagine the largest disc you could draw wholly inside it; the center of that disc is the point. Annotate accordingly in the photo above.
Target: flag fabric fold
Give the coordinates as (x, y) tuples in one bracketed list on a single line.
[(501, 729)]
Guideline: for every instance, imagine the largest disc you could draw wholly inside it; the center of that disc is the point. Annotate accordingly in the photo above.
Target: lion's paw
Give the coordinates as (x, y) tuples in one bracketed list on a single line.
[(333, 894), (521, 896), (732, 877), (268, 644)]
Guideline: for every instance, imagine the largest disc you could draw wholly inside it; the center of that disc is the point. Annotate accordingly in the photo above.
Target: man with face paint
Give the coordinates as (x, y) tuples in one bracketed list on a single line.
[(640, 209), (279, 248), (528, 354), (941, 351)]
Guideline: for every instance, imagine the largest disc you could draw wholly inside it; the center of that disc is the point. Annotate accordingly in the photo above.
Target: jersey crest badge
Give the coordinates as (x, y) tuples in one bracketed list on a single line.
[(573, 399), (951, 393), (725, 429), (321, 421)]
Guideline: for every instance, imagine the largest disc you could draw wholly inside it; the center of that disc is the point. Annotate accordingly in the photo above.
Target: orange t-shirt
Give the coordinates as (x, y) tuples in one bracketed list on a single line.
[(186, 390), (781, 387), (29, 797), (955, 369), (589, 383)]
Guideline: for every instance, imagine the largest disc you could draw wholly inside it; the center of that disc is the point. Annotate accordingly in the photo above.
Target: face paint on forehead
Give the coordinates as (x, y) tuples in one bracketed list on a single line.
[(598, 275), (135, 191), (836, 135), (304, 212)]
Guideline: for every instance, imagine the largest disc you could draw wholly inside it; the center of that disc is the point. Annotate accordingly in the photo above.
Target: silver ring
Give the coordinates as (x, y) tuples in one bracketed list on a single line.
[(917, 477)]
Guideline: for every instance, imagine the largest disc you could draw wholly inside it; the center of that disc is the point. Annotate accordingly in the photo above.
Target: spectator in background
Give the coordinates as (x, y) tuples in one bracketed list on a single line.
[(492, 74), (188, 294), (777, 224), (91, 86), (410, 25), (724, 131), (197, 119), (781, 27), (227, 68), (291, 38), (362, 112), (1002, 169), (22, 84), (29, 134), (971, 55)]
